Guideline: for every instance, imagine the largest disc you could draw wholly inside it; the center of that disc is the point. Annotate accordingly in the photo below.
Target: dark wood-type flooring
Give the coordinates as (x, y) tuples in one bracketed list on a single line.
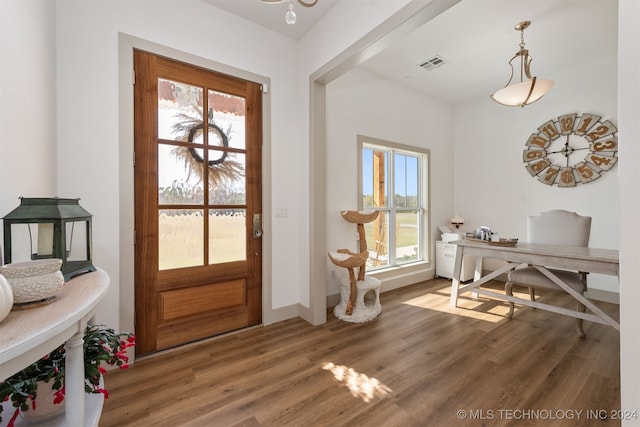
[(420, 363)]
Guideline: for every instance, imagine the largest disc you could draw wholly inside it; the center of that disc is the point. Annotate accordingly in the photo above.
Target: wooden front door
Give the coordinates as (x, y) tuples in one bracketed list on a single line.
[(198, 251)]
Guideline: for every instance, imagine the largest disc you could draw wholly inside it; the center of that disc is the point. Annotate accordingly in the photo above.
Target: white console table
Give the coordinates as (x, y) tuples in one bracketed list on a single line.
[(27, 335)]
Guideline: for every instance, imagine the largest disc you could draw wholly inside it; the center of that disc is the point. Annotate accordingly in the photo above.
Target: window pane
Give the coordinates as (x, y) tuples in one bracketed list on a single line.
[(226, 120), (407, 237), (179, 111), (374, 178), (179, 175), (180, 242), (377, 234), (227, 235), (406, 181), (397, 237), (227, 184)]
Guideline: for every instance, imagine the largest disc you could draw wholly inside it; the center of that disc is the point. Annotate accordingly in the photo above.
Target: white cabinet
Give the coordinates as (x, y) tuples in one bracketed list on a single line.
[(445, 258)]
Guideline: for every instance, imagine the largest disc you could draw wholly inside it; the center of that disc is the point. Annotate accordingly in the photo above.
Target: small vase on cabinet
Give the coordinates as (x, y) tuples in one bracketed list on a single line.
[(6, 297)]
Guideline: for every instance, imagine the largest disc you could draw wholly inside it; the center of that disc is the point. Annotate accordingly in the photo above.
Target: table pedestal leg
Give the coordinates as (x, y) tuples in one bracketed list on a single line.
[(74, 381)]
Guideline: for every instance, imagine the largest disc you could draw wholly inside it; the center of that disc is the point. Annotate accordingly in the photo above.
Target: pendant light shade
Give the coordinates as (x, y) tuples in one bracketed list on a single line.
[(521, 94), (528, 90)]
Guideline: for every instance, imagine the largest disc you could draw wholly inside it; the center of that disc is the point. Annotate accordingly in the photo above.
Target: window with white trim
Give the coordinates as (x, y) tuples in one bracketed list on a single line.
[(393, 179)]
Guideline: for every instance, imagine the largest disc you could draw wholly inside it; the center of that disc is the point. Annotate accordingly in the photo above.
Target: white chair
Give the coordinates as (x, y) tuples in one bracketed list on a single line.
[(554, 227)]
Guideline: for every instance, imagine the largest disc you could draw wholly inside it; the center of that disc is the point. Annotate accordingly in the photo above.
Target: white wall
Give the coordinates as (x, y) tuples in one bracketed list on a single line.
[(27, 102), (629, 112), (492, 186), (88, 115), (362, 103), (481, 153), (344, 25), (88, 134)]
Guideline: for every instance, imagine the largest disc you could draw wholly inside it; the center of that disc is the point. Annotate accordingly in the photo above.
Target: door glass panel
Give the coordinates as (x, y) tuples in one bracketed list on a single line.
[(407, 237), (180, 242), (226, 117), (227, 235), (227, 184), (179, 111), (179, 177)]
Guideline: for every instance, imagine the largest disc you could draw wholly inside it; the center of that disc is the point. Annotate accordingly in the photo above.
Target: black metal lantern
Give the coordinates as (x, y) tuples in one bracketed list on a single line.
[(50, 228)]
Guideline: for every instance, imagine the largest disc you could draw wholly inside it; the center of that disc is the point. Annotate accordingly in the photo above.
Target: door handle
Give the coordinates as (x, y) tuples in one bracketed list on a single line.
[(257, 226)]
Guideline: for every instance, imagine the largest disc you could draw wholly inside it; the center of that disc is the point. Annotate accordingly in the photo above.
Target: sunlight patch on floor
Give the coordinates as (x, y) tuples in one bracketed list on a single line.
[(359, 384), (482, 308)]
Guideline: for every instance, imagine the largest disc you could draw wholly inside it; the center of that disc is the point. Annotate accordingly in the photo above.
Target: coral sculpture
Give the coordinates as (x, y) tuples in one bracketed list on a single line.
[(351, 260)]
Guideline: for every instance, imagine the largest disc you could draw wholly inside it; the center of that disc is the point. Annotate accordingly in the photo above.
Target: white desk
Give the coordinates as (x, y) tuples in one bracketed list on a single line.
[(27, 335), (542, 257)]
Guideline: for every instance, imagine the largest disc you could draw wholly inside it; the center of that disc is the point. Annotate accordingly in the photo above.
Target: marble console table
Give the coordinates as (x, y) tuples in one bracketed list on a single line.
[(27, 335)]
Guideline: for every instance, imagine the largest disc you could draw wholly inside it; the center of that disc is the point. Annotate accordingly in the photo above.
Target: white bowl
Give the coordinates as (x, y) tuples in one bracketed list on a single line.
[(33, 281), (31, 268)]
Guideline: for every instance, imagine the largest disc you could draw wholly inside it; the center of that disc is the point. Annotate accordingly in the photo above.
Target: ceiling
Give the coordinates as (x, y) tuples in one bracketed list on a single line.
[(476, 38), (271, 15)]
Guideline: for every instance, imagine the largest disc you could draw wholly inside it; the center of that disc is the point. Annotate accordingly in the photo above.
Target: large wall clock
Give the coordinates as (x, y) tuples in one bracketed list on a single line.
[(571, 149)]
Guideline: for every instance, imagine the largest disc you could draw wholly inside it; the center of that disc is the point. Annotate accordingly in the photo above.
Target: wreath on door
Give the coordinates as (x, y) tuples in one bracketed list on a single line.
[(220, 169)]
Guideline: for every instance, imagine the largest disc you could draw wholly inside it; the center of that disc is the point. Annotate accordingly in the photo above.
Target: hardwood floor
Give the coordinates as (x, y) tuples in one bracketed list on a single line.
[(420, 363)]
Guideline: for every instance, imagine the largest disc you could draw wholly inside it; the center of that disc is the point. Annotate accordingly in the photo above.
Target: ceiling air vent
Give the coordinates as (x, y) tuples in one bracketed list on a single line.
[(433, 63)]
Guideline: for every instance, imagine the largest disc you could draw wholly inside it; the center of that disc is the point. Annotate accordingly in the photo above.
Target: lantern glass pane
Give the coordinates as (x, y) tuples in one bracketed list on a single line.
[(76, 241), (44, 239), (22, 241)]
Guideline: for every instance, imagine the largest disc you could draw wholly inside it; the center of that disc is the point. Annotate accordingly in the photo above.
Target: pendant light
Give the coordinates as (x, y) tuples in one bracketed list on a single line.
[(290, 17), (526, 91)]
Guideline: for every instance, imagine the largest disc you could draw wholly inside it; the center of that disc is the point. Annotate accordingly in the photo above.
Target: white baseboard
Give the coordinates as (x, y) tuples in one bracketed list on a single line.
[(395, 278), (284, 313), (602, 295)]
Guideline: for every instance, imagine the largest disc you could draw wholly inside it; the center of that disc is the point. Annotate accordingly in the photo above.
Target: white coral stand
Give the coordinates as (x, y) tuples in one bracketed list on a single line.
[(367, 305)]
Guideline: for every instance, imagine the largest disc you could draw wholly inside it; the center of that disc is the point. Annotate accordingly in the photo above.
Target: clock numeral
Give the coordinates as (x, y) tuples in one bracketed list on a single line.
[(584, 126), (608, 145), (537, 141), (604, 129), (528, 155), (587, 174), (549, 129), (600, 131), (567, 179), (585, 171), (603, 162), (549, 176), (535, 168), (566, 123), (586, 121)]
